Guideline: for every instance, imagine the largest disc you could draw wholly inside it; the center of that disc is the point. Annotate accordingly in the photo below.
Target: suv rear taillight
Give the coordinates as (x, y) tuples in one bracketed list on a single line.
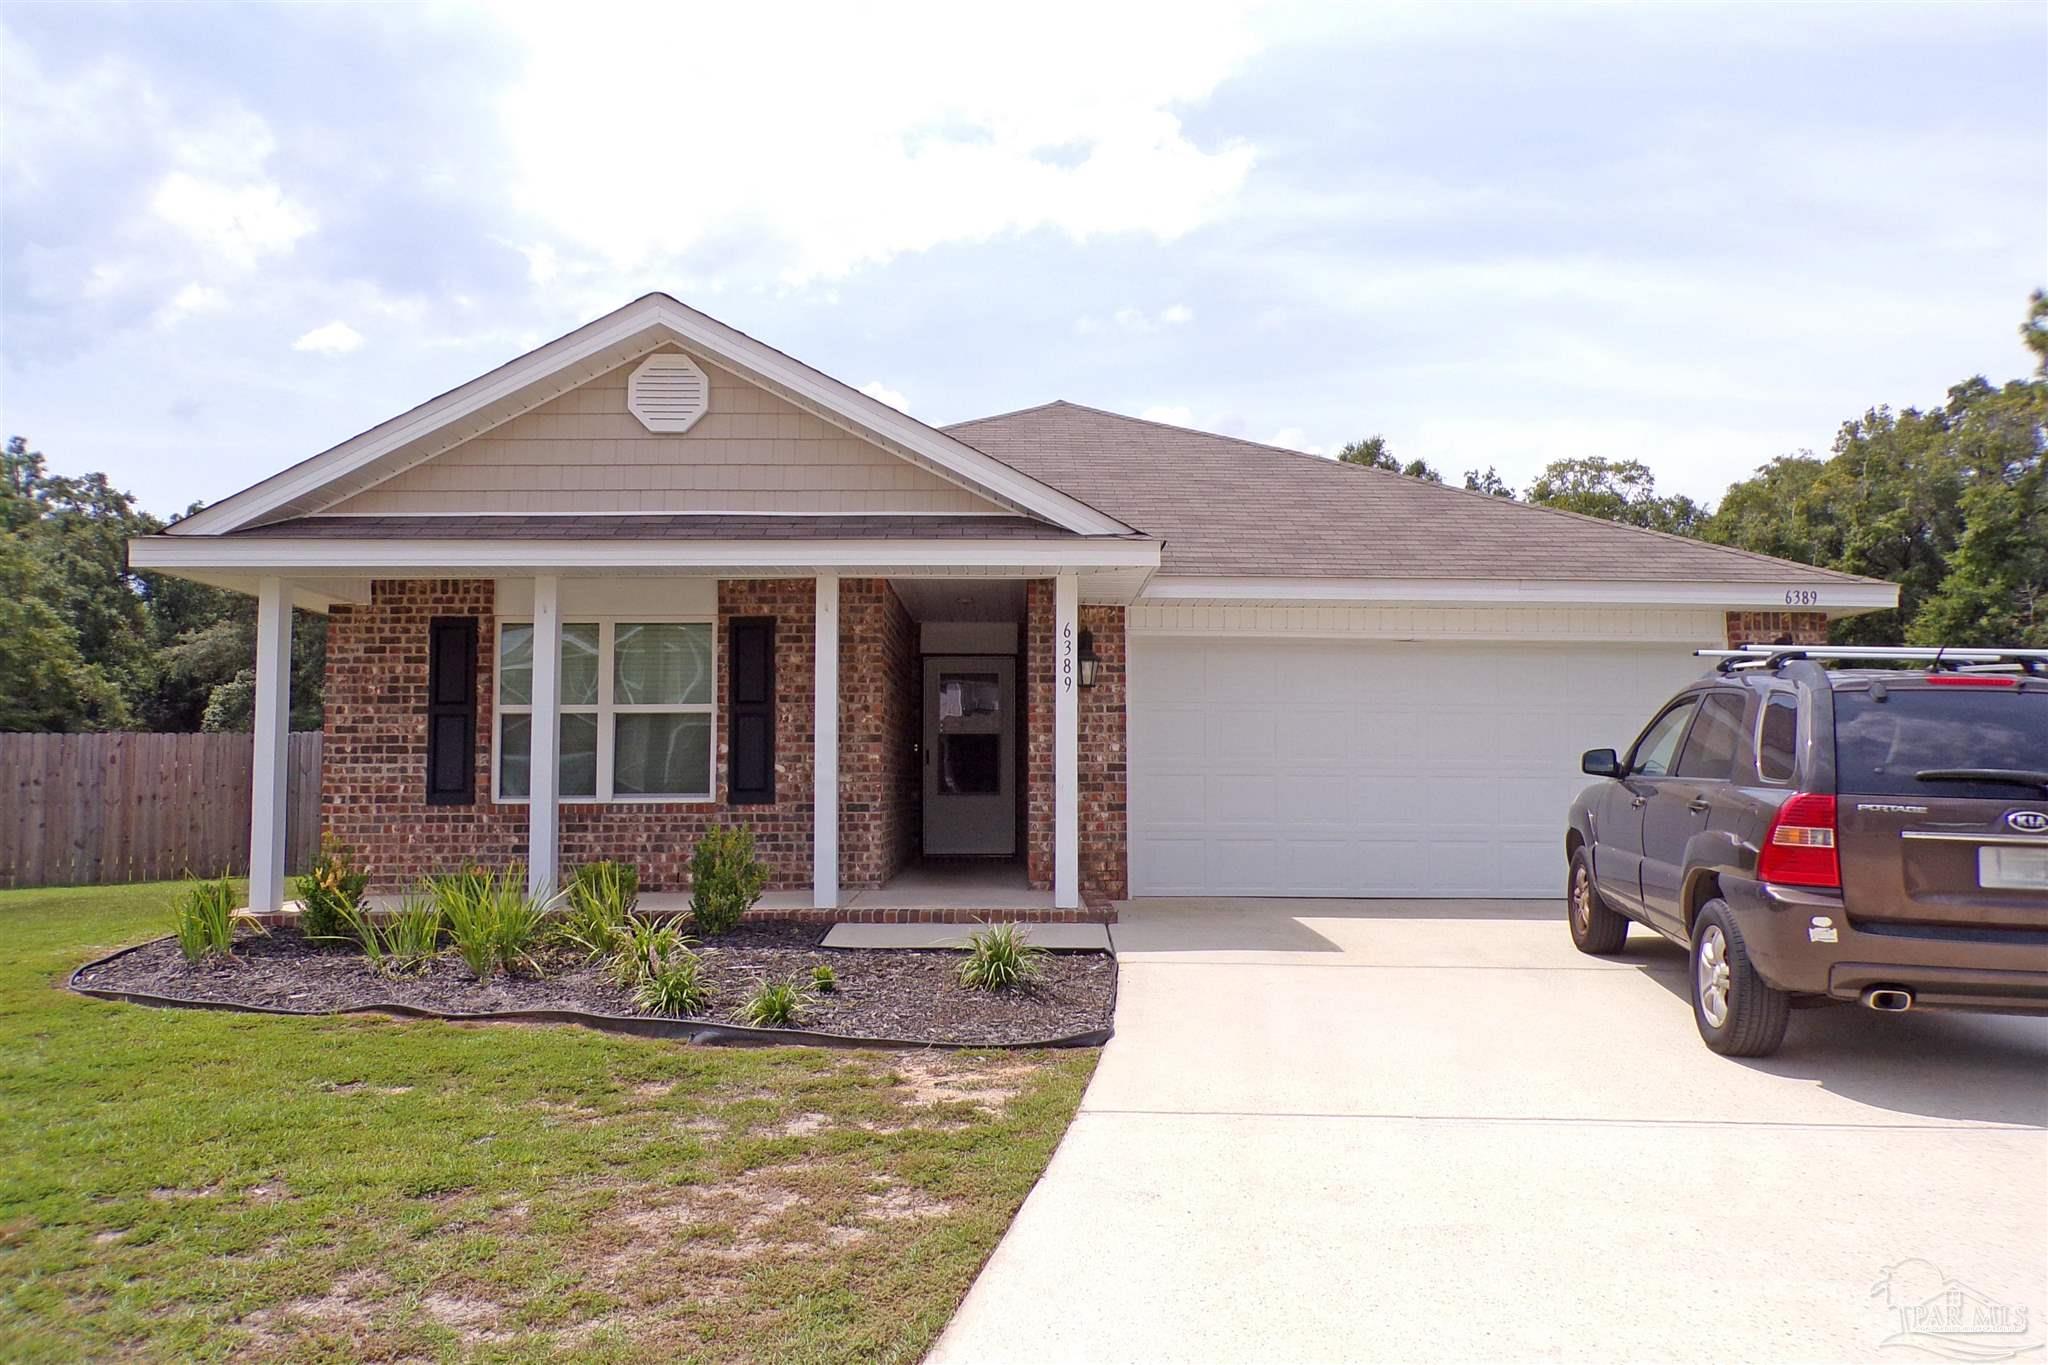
[(1800, 848)]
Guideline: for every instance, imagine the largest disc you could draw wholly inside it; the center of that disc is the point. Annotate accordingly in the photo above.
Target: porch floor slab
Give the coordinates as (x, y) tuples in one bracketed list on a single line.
[(945, 886), (1094, 936)]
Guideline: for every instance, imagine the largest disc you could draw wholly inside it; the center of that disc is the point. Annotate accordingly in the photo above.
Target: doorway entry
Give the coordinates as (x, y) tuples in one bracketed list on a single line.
[(970, 756)]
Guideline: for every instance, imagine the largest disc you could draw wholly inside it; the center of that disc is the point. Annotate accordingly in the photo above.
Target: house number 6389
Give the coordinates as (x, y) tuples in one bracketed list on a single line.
[(1067, 659), (1801, 597)]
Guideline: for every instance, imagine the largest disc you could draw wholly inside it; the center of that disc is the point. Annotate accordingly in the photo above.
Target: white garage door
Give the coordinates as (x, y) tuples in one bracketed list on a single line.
[(1278, 767)]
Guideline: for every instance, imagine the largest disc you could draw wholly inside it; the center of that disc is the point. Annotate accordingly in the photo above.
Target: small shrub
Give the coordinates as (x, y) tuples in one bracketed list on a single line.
[(203, 917), (999, 957), (407, 939), (643, 946), (601, 898), (725, 878), (331, 892), (777, 1004), (675, 987), (823, 979), (491, 918)]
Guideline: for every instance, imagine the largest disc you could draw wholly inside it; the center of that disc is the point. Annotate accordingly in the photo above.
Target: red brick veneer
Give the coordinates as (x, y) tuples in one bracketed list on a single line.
[(880, 695), (1774, 627), (1103, 762), (374, 755), (1036, 665)]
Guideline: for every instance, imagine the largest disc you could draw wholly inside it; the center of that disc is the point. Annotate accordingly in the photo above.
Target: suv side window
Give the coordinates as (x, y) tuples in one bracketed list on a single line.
[(1654, 752), (1777, 738), (1715, 737)]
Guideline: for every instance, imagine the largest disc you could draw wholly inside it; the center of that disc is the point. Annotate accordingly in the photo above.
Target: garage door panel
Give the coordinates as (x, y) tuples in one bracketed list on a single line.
[(1264, 766)]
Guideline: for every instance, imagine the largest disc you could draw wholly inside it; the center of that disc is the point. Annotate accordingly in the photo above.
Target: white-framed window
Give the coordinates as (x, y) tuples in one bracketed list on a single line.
[(639, 703)]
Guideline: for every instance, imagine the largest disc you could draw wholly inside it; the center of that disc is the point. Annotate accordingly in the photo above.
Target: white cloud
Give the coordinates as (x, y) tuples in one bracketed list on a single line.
[(191, 301), (875, 388), (872, 141), (239, 223), (1136, 320), (1294, 438), (1172, 416), (336, 338), (1177, 315)]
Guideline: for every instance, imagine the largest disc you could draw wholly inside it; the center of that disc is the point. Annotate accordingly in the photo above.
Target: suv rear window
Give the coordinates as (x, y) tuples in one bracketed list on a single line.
[(1879, 745)]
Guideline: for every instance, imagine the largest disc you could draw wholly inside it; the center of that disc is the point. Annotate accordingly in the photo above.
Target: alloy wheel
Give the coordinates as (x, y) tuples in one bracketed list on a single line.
[(1711, 975)]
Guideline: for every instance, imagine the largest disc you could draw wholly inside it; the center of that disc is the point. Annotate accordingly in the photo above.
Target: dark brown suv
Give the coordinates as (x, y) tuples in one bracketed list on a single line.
[(1840, 833)]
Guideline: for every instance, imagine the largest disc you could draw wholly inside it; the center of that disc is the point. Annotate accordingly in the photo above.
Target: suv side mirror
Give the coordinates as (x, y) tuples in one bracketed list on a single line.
[(1600, 763)]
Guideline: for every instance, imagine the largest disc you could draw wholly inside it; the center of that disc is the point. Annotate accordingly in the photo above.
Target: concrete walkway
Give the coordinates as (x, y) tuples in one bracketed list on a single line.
[(1334, 1130)]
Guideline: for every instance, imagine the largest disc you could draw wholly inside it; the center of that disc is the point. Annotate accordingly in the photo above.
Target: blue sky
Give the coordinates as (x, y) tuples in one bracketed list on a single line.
[(1699, 236)]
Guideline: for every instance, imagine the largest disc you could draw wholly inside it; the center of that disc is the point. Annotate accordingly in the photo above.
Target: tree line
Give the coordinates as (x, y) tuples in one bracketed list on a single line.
[(86, 643), (1950, 503)]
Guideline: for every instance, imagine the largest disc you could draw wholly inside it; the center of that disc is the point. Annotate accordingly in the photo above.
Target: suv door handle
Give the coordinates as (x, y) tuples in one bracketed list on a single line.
[(1698, 805), (1639, 802)]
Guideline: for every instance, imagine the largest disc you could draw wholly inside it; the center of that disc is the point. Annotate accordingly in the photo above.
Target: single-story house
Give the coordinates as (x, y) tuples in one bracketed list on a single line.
[(656, 576)]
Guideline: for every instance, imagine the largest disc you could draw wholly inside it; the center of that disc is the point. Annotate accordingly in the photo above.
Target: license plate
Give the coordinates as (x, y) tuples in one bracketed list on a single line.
[(2012, 869)]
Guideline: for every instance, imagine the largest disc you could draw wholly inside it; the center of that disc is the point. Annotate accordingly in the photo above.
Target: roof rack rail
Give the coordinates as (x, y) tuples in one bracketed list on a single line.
[(1938, 657)]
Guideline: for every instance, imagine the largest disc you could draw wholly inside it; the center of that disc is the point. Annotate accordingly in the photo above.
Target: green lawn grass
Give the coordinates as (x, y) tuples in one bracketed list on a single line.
[(188, 1184)]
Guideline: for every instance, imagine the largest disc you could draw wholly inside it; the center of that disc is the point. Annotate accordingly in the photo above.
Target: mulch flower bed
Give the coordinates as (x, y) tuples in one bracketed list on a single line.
[(913, 995)]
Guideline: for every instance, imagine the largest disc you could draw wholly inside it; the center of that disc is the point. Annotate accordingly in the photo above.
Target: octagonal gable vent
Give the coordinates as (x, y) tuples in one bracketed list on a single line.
[(668, 393)]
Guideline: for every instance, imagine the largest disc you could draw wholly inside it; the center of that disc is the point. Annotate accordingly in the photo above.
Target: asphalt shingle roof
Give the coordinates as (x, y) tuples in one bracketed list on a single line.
[(1230, 507)]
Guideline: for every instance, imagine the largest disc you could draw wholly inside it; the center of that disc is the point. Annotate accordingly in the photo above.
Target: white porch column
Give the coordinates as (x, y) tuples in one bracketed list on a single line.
[(543, 810), (825, 751), (1066, 746), (273, 739)]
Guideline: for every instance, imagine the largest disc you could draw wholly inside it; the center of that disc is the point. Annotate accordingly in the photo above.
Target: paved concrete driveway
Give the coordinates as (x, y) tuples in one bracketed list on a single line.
[(1333, 1130)]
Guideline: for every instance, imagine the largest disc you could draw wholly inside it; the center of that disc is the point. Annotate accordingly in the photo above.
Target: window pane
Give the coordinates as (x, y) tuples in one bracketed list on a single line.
[(1777, 743), (661, 664), (662, 755), (1710, 748), (578, 767), (1659, 744), (515, 752), (1882, 745), (579, 756), (515, 665), (970, 764), (579, 666)]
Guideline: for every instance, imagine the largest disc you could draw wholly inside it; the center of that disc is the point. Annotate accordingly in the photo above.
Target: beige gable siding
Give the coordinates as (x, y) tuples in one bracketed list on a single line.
[(584, 452)]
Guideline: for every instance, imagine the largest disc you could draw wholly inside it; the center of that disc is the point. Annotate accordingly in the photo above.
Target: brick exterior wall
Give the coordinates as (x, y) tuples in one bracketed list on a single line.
[(374, 763), (1104, 762), (880, 699), (1036, 668), (1777, 627), (373, 768)]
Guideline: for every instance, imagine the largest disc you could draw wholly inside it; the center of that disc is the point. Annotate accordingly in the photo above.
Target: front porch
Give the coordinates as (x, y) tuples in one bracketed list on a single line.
[(852, 762)]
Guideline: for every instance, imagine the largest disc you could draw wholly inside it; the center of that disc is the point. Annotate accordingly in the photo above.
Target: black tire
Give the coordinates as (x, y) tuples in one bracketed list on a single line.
[(1596, 928), (1754, 1013)]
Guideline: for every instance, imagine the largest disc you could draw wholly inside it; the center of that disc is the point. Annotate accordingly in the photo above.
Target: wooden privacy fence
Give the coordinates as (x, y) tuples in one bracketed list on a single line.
[(78, 810)]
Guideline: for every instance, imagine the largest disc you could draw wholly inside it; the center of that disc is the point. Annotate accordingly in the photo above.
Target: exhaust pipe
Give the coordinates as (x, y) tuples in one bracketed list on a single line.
[(1889, 999)]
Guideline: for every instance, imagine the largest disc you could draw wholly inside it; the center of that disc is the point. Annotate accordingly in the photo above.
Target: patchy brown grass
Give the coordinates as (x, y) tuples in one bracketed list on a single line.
[(194, 1185)]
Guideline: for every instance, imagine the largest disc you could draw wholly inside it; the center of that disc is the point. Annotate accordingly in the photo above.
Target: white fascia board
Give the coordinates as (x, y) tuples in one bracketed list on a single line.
[(384, 558), (687, 327), (1794, 593)]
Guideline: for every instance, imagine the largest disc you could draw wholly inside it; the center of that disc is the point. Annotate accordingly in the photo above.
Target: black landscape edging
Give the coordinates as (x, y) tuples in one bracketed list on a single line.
[(638, 1025)]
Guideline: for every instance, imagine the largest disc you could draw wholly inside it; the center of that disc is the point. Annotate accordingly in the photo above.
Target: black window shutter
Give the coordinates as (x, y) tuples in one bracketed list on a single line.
[(451, 711), (750, 711)]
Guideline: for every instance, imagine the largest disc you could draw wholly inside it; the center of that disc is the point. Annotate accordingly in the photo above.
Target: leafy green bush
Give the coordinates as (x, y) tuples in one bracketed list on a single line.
[(601, 898), (823, 979), (331, 892), (203, 917), (491, 919), (675, 987), (999, 957), (405, 941), (778, 1004), (725, 878)]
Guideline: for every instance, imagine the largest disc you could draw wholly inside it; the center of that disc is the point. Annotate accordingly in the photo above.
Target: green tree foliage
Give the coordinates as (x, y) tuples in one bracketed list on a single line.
[(1490, 482), (1617, 490), (87, 644), (1947, 503), (1374, 453)]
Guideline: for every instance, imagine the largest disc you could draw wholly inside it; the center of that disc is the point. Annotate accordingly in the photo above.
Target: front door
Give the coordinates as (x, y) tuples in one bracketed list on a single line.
[(970, 756)]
